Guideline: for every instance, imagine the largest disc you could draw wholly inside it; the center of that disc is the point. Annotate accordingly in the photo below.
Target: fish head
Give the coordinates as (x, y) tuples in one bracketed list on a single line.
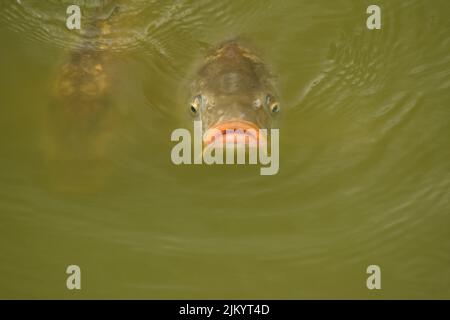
[(234, 97)]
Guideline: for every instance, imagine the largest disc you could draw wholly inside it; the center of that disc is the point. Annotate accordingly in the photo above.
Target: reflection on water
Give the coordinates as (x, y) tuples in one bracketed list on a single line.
[(364, 158)]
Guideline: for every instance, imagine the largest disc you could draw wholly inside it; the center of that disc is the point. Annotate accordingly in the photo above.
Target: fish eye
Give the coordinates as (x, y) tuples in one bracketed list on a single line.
[(195, 105), (274, 108), (194, 108)]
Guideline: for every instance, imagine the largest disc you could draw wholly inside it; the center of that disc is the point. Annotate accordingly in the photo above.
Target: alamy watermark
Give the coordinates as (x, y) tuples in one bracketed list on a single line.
[(73, 21), (73, 281), (374, 280), (249, 146), (373, 22)]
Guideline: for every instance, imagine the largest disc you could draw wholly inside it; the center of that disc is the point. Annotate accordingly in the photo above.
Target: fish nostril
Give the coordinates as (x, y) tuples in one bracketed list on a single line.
[(257, 104)]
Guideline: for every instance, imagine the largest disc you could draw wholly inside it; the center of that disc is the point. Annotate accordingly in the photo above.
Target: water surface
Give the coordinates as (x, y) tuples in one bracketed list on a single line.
[(364, 156)]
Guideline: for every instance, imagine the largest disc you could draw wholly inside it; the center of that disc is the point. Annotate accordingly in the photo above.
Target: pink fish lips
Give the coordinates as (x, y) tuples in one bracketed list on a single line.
[(237, 133), (227, 143)]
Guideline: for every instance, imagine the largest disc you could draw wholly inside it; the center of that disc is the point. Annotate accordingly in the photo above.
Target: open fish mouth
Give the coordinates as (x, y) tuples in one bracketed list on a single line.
[(232, 133)]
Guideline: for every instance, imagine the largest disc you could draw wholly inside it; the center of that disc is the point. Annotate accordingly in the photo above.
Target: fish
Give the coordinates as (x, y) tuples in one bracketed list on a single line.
[(234, 95), (79, 121)]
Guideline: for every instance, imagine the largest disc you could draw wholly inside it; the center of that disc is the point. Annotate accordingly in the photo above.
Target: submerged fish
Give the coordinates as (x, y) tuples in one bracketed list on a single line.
[(233, 95), (79, 121), (82, 90)]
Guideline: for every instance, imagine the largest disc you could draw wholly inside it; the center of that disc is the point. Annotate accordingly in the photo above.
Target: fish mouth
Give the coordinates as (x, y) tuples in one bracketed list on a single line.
[(233, 133)]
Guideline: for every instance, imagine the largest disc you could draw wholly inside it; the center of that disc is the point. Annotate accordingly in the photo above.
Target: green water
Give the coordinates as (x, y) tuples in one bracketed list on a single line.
[(364, 156)]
